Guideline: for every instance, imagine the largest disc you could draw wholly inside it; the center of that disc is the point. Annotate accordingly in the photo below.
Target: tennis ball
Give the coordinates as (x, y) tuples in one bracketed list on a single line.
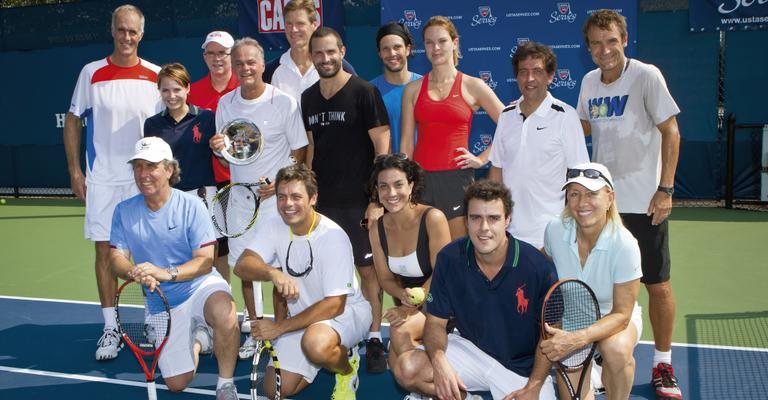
[(416, 295), (2, 201)]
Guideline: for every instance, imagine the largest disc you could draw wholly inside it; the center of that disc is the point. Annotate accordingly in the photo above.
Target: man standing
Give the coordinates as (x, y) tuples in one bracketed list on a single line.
[(114, 96), (395, 45), (536, 139), (626, 106), (347, 126), (293, 72), (277, 116), (163, 237), (492, 285), (314, 273)]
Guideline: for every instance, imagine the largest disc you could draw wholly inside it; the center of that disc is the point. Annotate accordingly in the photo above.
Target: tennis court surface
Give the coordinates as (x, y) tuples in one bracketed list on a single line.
[(46, 351)]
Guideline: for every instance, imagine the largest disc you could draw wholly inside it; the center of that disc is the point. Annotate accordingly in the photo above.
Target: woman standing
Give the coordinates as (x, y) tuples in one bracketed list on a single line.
[(591, 244), (441, 105)]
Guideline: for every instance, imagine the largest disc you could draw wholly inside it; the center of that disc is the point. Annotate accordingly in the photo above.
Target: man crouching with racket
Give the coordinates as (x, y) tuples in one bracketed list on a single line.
[(492, 285), (315, 276), (590, 243), (164, 238)]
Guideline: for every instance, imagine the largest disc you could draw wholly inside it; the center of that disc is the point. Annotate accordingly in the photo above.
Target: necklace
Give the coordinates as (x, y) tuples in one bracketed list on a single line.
[(311, 226)]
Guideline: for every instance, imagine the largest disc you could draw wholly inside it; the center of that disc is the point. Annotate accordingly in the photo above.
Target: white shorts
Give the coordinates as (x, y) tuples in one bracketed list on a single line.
[(481, 372), (263, 227), (210, 191), (176, 358), (351, 326), (637, 320), (100, 203)]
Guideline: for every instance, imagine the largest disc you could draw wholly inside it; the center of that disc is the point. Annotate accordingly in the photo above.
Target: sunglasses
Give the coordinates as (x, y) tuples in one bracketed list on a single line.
[(588, 173), (306, 266)]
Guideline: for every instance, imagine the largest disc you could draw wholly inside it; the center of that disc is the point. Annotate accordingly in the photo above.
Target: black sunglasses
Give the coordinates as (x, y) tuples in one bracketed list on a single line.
[(308, 268), (397, 156), (588, 173)]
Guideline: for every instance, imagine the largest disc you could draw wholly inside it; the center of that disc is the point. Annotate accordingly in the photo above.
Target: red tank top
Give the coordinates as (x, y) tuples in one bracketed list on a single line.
[(442, 125)]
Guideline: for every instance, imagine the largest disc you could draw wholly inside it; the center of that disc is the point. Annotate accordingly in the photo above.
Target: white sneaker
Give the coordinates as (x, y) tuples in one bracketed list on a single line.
[(202, 334), (109, 344), (248, 348), (415, 396), (227, 391), (245, 326), (596, 377)]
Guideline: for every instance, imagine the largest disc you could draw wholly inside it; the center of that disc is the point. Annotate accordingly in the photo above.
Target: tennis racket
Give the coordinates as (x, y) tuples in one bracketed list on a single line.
[(243, 142), (234, 208), (571, 305), (260, 359), (144, 321)]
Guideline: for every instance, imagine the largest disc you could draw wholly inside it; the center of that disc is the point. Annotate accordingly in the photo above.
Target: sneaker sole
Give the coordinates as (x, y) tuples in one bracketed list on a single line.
[(107, 357)]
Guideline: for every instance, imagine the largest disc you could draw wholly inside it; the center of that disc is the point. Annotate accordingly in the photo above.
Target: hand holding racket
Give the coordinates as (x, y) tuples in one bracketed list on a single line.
[(260, 359), (570, 305), (144, 321), (235, 207)]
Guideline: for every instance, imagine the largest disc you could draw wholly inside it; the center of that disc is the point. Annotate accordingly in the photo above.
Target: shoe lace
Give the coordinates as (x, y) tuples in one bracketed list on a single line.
[(667, 376), (108, 338)]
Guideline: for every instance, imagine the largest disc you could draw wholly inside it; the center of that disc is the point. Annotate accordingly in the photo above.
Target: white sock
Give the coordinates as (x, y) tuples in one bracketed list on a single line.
[(222, 381), (662, 357), (376, 335), (110, 321)]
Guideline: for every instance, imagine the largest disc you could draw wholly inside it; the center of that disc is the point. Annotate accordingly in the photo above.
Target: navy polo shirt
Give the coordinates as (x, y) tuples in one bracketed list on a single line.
[(189, 142), (500, 316)]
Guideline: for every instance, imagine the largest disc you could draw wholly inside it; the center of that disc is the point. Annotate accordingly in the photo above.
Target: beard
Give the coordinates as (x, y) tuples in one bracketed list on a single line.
[(329, 73)]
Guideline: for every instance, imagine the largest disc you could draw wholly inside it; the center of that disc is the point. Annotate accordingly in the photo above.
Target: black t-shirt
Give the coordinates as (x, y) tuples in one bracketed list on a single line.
[(343, 156)]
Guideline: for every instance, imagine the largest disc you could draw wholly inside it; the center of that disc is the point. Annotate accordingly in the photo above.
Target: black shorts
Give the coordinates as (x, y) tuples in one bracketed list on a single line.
[(444, 190), (348, 218), (654, 246)]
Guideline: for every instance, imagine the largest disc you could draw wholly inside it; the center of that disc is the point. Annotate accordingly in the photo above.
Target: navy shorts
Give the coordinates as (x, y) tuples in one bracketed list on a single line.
[(654, 246)]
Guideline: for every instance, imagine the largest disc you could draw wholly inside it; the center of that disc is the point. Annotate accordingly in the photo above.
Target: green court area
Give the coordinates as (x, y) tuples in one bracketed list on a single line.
[(719, 264)]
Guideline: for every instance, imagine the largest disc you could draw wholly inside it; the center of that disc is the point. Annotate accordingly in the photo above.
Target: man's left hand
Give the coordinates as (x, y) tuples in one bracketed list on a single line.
[(660, 207), (265, 329), (524, 393)]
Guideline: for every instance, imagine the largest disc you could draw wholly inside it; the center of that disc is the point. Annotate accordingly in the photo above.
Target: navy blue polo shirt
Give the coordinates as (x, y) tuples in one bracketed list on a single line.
[(189, 142), (500, 316)]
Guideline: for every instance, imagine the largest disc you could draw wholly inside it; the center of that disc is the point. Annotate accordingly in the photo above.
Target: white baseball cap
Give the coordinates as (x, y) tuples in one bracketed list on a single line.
[(220, 37), (592, 176), (152, 149)]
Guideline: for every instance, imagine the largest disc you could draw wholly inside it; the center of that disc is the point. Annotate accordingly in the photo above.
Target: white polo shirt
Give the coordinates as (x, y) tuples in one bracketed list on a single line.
[(289, 79), (533, 154)]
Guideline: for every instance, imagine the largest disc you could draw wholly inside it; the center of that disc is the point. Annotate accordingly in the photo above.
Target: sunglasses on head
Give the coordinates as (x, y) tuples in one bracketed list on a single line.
[(590, 173), (397, 156)]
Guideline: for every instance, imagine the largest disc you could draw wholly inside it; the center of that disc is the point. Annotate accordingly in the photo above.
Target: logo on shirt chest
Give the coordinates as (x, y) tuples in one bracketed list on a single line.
[(522, 301), (197, 136), (606, 107), (325, 118)]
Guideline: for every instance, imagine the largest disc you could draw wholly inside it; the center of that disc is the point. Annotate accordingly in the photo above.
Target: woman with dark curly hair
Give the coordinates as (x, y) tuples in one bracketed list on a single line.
[(405, 242)]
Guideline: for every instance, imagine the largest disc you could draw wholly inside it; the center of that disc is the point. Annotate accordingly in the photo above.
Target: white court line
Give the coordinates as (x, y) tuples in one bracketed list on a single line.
[(646, 342)]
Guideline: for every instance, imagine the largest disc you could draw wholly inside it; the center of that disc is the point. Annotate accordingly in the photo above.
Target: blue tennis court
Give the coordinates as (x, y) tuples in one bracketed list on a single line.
[(46, 350)]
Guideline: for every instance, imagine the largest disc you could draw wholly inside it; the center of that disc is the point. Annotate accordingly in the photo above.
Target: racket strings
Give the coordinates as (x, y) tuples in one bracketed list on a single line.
[(572, 307), (234, 209), (144, 326)]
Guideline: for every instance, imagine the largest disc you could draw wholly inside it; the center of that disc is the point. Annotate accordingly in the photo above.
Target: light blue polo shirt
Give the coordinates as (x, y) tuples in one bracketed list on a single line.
[(614, 259)]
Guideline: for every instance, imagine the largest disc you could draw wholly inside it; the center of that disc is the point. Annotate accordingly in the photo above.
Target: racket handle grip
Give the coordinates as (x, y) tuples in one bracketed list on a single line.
[(151, 390)]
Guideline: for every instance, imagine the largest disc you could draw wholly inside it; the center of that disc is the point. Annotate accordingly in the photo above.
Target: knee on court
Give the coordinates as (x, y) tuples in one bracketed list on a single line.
[(409, 366)]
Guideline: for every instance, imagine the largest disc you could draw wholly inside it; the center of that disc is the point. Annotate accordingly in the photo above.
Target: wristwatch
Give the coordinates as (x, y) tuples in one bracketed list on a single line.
[(174, 273), (667, 190)]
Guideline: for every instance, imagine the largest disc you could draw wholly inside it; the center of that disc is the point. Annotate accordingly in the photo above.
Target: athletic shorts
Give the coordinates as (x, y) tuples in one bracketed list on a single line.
[(351, 325), (176, 358), (348, 218), (482, 373), (100, 203), (444, 190), (654, 246), (263, 228)]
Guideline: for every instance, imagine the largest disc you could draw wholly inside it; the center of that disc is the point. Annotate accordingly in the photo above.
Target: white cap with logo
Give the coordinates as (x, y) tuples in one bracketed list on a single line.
[(592, 176), (220, 37), (152, 149)]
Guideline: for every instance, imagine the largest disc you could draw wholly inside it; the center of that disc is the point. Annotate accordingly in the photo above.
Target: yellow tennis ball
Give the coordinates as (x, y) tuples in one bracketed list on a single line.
[(416, 295), (2, 201)]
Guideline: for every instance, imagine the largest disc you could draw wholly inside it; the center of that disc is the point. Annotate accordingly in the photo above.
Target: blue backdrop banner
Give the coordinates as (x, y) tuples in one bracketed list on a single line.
[(728, 15), (263, 20), (491, 30)]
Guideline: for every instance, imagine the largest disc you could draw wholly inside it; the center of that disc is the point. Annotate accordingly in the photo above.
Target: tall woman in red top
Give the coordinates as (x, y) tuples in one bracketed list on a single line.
[(441, 105)]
